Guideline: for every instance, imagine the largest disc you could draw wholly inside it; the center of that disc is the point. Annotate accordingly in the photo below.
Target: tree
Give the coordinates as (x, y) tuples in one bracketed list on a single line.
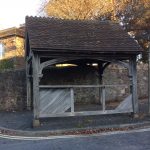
[(78, 9), (134, 15)]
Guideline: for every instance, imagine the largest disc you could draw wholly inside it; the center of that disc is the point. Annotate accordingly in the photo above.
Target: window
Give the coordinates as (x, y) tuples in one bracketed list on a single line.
[(1, 50)]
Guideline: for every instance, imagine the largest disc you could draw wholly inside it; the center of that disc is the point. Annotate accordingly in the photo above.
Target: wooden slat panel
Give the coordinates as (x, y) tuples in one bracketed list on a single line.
[(103, 99), (126, 105), (54, 101)]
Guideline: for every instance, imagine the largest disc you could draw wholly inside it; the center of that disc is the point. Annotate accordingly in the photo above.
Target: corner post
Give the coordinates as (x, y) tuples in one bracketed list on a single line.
[(36, 100), (28, 86), (149, 80), (134, 87)]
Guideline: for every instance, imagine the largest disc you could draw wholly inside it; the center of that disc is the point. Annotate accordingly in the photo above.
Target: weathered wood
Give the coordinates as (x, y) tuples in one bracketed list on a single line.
[(100, 73), (134, 86), (100, 95), (65, 59), (27, 82), (82, 86), (83, 113), (105, 66), (46, 40), (54, 61), (29, 93), (95, 56), (121, 63), (103, 98), (28, 88), (126, 104), (72, 100), (149, 80), (36, 101), (54, 101)]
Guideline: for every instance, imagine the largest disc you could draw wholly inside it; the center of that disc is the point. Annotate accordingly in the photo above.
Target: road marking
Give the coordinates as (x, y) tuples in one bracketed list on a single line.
[(71, 136)]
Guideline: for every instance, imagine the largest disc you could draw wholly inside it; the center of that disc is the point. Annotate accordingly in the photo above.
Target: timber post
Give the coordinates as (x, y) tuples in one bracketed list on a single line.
[(149, 80), (36, 95), (100, 75), (29, 86), (134, 87)]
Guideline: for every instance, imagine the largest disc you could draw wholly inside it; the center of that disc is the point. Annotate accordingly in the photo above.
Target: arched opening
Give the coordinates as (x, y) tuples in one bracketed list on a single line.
[(84, 78), (79, 72)]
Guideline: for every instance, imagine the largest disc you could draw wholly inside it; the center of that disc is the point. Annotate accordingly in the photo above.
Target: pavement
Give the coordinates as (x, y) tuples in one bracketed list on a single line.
[(125, 140), (20, 123)]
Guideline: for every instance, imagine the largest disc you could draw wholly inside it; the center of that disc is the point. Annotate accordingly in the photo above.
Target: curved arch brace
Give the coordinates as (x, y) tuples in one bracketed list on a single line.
[(121, 63), (54, 61), (60, 60)]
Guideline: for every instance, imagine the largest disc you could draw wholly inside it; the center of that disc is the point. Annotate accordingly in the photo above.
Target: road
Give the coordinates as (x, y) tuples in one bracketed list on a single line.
[(120, 141)]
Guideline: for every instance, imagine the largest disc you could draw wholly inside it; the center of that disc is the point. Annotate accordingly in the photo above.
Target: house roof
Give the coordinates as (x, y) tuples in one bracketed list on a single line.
[(56, 35), (12, 32)]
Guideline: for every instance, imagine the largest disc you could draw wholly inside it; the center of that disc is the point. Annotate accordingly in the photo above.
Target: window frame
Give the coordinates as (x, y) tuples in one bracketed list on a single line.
[(2, 50)]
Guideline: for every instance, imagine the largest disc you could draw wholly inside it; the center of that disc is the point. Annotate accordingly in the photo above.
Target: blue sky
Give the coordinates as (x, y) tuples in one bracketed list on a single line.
[(13, 12)]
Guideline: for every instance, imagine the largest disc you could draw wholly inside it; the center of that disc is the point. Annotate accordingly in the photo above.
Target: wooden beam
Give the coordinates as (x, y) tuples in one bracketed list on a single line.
[(103, 99), (72, 100), (29, 94), (52, 62), (100, 72), (84, 113), (28, 86), (65, 59), (106, 65), (36, 101), (149, 80), (82, 86), (134, 86)]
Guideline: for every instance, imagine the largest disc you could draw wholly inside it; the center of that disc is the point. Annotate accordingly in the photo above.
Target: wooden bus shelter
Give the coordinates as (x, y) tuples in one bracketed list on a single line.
[(52, 41)]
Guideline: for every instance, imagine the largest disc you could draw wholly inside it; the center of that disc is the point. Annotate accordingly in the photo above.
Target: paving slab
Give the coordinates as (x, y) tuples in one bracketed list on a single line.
[(22, 122)]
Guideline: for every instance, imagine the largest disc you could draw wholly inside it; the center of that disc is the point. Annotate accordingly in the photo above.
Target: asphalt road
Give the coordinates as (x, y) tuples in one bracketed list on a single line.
[(121, 141)]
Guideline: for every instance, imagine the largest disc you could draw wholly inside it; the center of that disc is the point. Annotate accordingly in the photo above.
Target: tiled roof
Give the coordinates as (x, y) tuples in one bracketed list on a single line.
[(78, 36)]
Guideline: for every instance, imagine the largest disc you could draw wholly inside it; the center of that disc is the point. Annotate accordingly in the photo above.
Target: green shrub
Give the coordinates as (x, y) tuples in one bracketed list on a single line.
[(6, 64)]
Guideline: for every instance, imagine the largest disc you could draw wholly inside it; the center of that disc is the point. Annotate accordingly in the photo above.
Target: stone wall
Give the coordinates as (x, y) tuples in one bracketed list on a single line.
[(119, 75), (13, 84), (12, 90), (75, 76), (142, 77)]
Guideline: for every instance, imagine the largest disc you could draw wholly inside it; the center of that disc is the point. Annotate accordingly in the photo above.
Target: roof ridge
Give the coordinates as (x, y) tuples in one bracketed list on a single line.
[(69, 20)]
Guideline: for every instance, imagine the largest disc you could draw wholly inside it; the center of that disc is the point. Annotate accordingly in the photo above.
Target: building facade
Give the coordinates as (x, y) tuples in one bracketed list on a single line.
[(12, 47)]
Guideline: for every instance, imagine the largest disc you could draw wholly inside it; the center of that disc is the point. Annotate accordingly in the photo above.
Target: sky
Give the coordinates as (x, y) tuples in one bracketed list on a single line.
[(13, 12)]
